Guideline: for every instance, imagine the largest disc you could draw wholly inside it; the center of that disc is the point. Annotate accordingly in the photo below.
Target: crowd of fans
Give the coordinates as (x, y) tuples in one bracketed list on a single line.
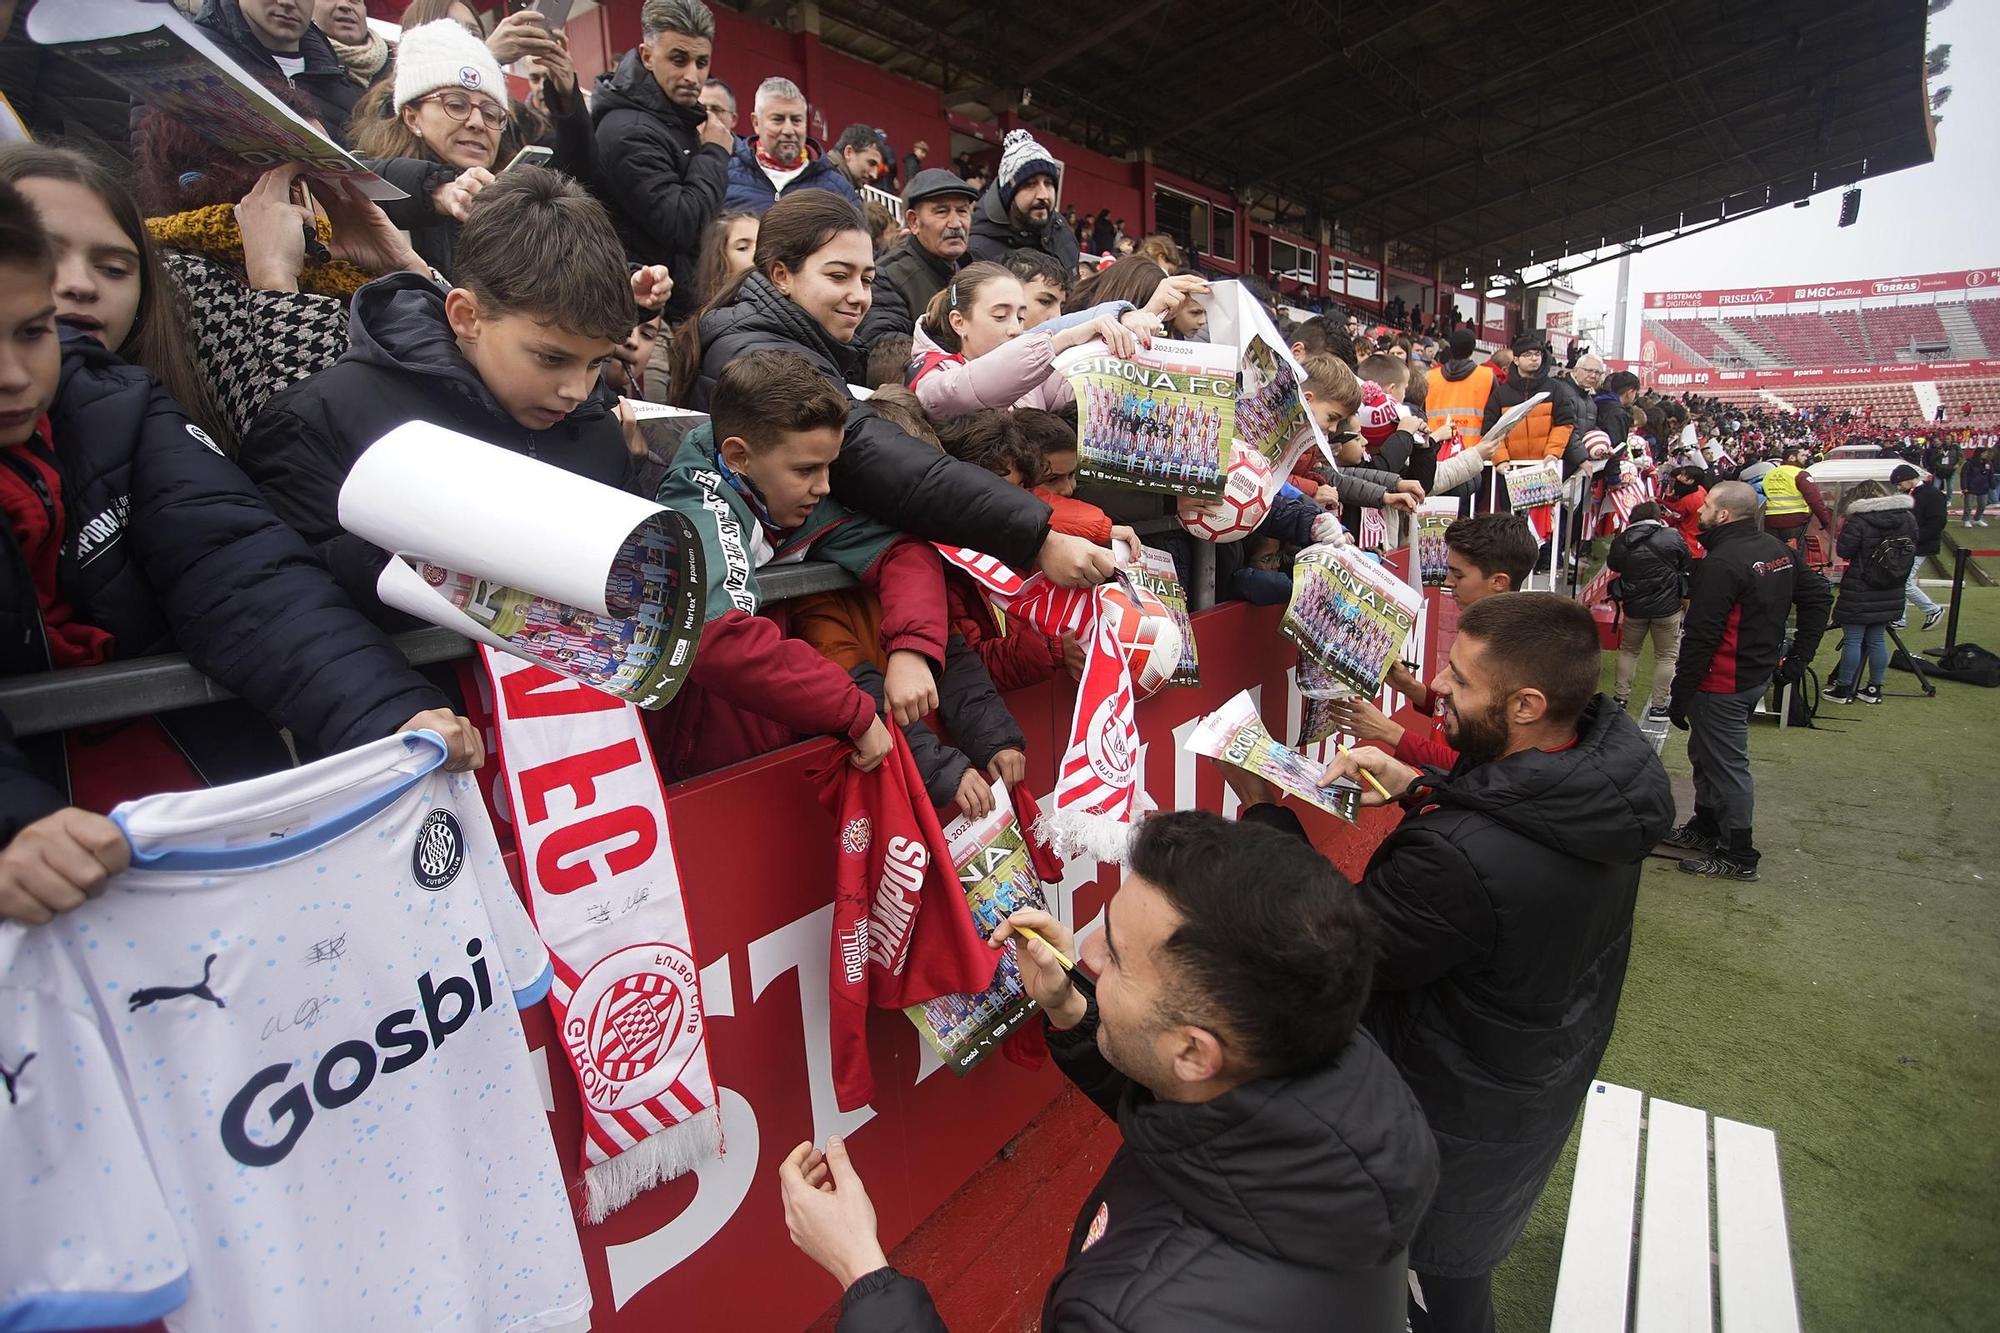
[(199, 351)]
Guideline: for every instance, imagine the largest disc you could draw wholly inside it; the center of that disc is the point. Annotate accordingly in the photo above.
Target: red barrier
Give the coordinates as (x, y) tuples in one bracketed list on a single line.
[(710, 1251)]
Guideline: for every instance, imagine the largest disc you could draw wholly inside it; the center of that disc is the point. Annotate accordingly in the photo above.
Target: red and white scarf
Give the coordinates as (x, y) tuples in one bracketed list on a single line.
[(1100, 787), (597, 871)]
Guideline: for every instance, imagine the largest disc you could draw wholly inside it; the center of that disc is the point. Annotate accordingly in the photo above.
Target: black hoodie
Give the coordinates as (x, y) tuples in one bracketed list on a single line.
[(1504, 904), (404, 365), (661, 184), (1286, 1203), (324, 79)]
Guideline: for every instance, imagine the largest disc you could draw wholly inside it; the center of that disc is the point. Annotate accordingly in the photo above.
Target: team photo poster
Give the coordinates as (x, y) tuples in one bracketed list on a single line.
[(1349, 615), (1158, 422), (998, 879)]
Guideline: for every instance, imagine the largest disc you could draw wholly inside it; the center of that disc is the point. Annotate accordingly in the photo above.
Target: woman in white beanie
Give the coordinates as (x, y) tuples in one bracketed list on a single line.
[(442, 123)]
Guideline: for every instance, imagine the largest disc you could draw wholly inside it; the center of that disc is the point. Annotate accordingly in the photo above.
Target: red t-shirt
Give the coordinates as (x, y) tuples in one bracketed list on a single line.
[(32, 499)]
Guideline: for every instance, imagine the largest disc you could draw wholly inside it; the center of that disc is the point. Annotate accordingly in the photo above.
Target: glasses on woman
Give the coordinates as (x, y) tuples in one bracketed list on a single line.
[(460, 107)]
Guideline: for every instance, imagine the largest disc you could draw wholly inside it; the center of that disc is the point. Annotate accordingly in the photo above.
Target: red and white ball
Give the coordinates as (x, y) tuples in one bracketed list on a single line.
[(1246, 499), (1149, 635)]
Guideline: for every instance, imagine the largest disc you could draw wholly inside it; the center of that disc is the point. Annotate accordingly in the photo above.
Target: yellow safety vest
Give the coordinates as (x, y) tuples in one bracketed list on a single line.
[(1781, 492)]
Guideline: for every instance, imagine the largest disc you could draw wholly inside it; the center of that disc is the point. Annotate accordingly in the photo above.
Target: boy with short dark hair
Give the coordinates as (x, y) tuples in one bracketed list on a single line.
[(753, 480), (1043, 279), (1051, 439), (511, 355)]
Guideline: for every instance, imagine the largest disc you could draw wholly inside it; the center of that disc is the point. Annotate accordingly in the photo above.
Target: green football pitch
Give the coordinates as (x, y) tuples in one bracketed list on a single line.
[(1850, 1000)]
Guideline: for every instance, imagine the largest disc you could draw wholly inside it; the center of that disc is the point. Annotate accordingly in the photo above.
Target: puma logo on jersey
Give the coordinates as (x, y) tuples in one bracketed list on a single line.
[(402, 1041), (139, 999), (11, 1077)]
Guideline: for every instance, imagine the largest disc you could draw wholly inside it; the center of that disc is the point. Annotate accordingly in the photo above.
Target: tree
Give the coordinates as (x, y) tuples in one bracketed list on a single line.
[(1938, 60), (1940, 97)]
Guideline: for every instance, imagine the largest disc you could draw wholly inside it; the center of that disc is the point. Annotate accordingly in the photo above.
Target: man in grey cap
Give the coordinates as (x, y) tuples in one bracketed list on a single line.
[(937, 221)]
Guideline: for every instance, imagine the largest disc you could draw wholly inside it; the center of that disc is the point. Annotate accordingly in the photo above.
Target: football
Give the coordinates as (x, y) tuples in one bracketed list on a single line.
[(1246, 499), (1149, 636)]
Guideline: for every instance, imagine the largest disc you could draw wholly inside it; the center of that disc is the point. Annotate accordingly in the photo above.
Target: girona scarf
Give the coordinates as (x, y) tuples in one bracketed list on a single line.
[(597, 870), (213, 231), (1100, 789)]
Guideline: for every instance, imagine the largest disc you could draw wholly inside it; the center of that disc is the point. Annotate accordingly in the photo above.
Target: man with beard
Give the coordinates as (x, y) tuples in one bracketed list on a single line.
[(663, 156), (778, 159), (1503, 905), (1274, 1166), (1018, 210), (1732, 647), (937, 213)]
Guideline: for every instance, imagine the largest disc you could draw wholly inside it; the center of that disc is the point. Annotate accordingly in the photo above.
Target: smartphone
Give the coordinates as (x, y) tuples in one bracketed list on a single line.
[(555, 13), (534, 155)]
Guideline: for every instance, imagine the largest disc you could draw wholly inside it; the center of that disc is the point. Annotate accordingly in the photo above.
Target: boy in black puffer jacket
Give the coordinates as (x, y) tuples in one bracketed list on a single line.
[(1653, 568), (128, 534), (1878, 540), (510, 356)]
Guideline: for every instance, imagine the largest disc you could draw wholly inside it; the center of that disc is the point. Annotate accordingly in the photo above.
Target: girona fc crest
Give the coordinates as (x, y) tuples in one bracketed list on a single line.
[(633, 1024), (854, 837), (1108, 744)]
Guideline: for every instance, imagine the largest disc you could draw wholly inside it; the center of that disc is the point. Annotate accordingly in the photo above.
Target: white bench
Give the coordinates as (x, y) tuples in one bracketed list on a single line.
[(1596, 1290)]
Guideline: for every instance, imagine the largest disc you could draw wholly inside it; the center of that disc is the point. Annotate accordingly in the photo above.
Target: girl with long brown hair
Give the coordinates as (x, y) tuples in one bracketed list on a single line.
[(807, 293)]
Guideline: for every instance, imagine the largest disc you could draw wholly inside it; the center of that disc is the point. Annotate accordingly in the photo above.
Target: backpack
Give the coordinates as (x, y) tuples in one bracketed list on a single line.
[(1889, 562), (1966, 663)]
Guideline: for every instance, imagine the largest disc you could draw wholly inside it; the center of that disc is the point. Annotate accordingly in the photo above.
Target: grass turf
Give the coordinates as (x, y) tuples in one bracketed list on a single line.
[(1850, 1000)]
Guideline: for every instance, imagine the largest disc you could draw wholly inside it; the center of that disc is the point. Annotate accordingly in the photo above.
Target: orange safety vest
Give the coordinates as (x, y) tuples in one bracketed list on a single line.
[(1458, 403)]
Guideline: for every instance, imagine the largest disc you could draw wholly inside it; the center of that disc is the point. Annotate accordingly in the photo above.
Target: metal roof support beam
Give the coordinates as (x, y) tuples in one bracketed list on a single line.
[(1062, 55), (1565, 125)]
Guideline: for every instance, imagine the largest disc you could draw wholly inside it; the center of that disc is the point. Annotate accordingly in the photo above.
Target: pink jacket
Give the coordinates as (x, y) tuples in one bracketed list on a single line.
[(1014, 375)]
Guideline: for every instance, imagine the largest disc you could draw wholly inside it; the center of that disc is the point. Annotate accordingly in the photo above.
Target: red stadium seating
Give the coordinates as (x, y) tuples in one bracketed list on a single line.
[(1892, 328), (1986, 318)]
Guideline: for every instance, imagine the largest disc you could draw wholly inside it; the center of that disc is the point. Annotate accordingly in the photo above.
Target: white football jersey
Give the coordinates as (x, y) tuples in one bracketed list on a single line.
[(274, 1077)]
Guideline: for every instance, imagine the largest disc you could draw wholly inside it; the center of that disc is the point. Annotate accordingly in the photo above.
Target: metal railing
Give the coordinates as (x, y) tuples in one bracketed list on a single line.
[(89, 696)]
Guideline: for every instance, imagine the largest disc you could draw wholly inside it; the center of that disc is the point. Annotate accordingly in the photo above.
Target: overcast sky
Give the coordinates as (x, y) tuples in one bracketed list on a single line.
[(1927, 219)]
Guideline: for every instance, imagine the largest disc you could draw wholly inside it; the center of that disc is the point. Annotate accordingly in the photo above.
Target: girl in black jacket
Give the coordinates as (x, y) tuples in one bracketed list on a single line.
[(129, 535), (807, 293), (1878, 540)]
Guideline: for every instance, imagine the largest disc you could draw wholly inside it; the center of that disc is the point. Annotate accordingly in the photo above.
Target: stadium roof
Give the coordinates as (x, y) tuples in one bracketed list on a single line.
[(1491, 137)]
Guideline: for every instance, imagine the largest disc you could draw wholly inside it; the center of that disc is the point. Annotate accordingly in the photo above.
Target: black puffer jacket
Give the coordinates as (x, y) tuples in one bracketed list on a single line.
[(661, 184), (404, 365), (1504, 904), (1932, 513), (1867, 595), (1653, 567), (1283, 1204), (170, 548), (324, 79), (994, 233), (59, 98), (881, 471)]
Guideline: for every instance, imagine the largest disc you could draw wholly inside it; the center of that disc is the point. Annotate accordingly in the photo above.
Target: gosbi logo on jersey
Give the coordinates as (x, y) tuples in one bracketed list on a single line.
[(895, 905), (633, 1023), (439, 853), (402, 1040)]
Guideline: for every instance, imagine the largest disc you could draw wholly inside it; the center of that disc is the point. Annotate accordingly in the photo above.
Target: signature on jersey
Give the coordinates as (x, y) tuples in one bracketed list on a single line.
[(310, 1011)]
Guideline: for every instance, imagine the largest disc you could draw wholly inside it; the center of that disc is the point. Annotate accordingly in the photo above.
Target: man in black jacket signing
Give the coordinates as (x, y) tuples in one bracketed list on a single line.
[(1274, 1166), (1503, 908), (662, 156), (1732, 647)]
